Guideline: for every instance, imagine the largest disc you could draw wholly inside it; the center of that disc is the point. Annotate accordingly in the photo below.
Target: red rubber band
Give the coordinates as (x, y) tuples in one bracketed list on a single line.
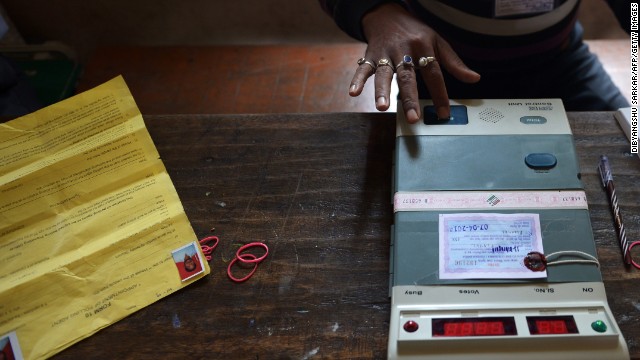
[(206, 249), (255, 259), (631, 247), (255, 266)]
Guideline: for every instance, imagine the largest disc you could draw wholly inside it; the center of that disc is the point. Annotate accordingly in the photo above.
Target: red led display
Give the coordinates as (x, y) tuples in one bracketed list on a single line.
[(551, 325), (456, 327)]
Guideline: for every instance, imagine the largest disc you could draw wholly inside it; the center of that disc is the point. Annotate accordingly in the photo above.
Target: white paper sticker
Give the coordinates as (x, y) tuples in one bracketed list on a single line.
[(188, 261), (488, 245), (9, 346)]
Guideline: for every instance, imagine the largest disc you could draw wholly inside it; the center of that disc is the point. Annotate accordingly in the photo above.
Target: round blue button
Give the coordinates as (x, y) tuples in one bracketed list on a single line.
[(540, 161)]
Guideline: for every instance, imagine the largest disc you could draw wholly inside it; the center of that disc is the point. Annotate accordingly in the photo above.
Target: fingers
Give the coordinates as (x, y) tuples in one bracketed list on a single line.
[(434, 80), (382, 70), (365, 69), (383, 78), (391, 31), (432, 75), (439, 56), (407, 87)]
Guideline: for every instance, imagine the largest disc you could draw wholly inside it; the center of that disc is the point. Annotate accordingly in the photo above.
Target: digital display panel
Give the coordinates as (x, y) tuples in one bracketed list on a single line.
[(483, 326), (552, 325)]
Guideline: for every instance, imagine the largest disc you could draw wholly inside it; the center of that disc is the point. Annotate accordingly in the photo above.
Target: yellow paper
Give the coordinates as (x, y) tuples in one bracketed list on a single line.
[(88, 220)]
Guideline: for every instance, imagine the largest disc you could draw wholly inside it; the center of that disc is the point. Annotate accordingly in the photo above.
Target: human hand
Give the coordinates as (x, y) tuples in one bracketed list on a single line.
[(391, 33)]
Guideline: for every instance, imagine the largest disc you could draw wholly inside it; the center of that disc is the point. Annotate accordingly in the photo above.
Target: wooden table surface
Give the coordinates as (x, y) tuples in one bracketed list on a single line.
[(317, 189)]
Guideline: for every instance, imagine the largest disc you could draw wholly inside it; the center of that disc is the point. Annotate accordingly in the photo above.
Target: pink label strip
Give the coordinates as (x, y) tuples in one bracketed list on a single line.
[(482, 200)]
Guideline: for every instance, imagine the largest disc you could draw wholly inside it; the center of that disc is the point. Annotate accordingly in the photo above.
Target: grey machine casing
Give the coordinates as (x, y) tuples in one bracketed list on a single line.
[(483, 147)]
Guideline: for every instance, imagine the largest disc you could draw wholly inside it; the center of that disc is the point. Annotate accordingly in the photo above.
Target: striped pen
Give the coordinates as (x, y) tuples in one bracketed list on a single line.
[(607, 183)]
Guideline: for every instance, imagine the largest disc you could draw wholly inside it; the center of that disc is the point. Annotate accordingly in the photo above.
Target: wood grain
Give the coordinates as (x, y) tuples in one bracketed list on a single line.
[(235, 79), (317, 189)]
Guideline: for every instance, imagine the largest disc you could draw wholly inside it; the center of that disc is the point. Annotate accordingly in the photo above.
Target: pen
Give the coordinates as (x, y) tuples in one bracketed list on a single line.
[(607, 183)]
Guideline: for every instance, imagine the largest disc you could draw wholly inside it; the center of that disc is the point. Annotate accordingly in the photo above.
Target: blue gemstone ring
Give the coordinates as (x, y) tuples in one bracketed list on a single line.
[(406, 61), (424, 61)]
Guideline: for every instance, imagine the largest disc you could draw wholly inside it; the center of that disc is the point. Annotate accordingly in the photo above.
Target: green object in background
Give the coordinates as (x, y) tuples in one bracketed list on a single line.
[(54, 80), (51, 68)]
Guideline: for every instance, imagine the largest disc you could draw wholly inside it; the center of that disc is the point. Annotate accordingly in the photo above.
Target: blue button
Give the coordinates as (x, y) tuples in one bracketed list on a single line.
[(533, 120), (459, 116), (540, 161)]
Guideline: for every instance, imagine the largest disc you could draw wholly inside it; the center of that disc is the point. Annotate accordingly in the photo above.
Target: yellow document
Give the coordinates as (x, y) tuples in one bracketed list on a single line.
[(91, 226)]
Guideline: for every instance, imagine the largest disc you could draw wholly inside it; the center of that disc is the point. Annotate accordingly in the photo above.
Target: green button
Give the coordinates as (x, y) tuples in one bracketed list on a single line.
[(599, 326)]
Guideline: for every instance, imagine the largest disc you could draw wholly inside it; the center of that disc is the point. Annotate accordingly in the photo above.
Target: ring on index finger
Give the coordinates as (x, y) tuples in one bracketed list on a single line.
[(406, 61), (368, 62), (424, 61)]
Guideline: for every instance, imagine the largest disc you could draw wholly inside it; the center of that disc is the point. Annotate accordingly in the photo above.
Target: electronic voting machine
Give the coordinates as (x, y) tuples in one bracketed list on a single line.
[(492, 251)]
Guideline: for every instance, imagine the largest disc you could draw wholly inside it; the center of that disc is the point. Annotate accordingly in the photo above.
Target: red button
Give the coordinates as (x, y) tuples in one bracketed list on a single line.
[(411, 326)]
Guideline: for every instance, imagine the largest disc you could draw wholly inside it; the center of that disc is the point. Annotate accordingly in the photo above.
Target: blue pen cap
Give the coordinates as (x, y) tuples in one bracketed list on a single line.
[(605, 170)]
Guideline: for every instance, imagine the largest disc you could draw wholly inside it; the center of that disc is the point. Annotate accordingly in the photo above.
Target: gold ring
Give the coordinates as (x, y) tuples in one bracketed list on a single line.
[(368, 62), (424, 61), (385, 62)]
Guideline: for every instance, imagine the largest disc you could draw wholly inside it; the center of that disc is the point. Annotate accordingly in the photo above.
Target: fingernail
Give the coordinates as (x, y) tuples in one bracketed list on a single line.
[(412, 116), (381, 101), (352, 89), (443, 112)]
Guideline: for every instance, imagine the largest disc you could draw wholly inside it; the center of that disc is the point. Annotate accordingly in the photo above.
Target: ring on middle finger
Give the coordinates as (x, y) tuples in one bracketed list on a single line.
[(385, 62), (406, 61)]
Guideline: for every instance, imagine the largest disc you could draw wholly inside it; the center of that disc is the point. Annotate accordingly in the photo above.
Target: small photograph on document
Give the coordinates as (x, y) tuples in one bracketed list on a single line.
[(188, 261), (9, 347)]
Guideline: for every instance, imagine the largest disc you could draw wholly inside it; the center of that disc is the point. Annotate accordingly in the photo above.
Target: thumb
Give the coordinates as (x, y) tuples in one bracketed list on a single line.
[(453, 64)]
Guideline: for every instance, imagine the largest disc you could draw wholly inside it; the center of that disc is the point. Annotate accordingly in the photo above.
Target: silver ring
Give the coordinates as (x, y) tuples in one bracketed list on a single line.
[(424, 61), (385, 62), (406, 61), (368, 62)]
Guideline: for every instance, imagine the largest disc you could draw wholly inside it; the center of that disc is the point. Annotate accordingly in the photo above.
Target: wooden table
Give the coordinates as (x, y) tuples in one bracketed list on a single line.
[(317, 189)]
